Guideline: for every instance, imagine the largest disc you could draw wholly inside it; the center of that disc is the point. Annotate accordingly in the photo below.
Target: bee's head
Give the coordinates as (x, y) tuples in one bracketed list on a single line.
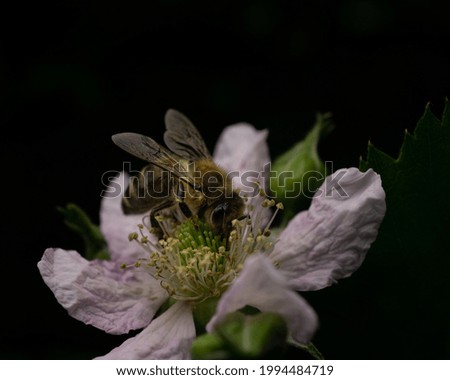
[(218, 217), (225, 212)]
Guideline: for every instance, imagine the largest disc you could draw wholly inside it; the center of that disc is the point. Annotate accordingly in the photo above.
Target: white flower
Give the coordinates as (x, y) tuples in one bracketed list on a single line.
[(318, 247)]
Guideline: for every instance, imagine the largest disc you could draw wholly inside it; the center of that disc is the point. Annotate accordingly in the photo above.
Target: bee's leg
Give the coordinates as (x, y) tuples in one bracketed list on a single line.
[(155, 227), (157, 220), (134, 200), (181, 195), (242, 217)]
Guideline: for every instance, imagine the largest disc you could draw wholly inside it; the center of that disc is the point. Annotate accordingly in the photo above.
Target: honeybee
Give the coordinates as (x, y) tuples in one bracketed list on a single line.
[(184, 176)]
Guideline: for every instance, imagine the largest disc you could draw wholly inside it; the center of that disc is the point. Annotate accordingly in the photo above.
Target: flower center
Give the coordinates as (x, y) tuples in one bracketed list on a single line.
[(195, 264)]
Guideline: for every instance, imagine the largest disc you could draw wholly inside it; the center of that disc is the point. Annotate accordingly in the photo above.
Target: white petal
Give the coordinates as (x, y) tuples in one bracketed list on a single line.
[(116, 226), (330, 240), (168, 337), (242, 148), (260, 285), (113, 301)]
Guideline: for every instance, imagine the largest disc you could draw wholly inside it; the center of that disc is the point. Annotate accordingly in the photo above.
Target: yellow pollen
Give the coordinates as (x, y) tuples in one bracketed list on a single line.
[(193, 263)]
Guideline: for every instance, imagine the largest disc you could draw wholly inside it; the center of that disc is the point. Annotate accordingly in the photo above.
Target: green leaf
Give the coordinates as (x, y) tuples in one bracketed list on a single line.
[(78, 221), (298, 173), (397, 306)]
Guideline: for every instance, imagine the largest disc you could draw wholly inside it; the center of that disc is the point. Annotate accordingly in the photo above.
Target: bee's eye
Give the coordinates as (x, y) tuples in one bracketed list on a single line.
[(218, 214)]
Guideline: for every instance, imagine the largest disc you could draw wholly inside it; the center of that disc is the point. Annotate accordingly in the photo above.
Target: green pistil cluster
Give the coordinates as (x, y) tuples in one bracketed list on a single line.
[(194, 264), (196, 234)]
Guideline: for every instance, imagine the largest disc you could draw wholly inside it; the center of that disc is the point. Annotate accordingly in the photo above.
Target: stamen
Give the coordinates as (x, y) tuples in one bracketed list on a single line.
[(191, 262), (279, 206)]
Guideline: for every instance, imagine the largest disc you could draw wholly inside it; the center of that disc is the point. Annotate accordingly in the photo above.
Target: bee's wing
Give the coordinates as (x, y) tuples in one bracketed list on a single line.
[(149, 150), (149, 190), (183, 138)]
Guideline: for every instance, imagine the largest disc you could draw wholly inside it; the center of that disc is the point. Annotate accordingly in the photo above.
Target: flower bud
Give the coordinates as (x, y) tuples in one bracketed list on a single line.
[(298, 172)]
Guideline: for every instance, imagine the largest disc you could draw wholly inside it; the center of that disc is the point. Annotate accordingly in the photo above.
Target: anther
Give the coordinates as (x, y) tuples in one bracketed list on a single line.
[(133, 236)]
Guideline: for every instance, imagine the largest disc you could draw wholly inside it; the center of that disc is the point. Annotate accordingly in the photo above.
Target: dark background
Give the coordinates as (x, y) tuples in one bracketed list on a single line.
[(75, 72)]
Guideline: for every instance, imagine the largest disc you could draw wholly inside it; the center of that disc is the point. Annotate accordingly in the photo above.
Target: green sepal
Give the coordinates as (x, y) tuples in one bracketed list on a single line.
[(210, 347), (77, 220), (203, 313), (310, 348), (242, 336), (299, 172), (254, 336)]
